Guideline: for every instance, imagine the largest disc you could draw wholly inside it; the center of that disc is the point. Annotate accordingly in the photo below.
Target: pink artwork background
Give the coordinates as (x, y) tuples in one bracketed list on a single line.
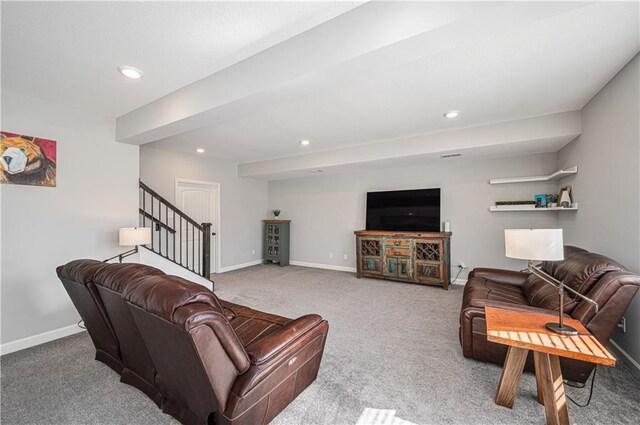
[(48, 146)]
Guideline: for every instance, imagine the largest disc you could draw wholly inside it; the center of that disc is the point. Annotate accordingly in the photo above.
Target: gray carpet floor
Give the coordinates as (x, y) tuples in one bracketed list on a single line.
[(390, 346)]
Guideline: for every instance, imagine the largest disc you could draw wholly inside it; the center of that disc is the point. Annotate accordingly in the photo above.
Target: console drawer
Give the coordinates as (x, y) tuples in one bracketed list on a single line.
[(397, 252), (400, 243)]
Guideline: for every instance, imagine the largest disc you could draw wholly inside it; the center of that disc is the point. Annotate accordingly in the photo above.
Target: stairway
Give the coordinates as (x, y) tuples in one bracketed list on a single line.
[(175, 236)]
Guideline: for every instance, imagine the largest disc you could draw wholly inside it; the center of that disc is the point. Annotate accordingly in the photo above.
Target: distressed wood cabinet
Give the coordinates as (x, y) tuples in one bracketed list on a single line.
[(405, 256), (275, 244)]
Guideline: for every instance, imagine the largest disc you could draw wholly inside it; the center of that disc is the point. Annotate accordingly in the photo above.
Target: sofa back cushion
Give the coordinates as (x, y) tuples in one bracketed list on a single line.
[(583, 269), (580, 270), (110, 282), (77, 277), (196, 352), (550, 267), (543, 295)]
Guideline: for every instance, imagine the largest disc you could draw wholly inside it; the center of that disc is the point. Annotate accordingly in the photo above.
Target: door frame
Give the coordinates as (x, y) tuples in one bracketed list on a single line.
[(217, 217)]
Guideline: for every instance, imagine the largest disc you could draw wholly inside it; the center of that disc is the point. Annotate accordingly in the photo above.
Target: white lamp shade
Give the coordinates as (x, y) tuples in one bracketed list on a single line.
[(131, 236), (534, 244)]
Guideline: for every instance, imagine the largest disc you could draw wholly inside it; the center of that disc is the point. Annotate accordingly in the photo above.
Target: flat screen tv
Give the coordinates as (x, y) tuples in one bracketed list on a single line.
[(404, 210)]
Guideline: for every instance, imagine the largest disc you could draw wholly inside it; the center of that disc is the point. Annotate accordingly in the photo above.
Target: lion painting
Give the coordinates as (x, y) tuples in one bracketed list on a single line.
[(27, 160)]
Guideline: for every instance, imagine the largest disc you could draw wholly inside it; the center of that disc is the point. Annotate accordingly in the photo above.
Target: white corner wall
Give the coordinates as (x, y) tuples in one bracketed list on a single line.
[(607, 185), (326, 210), (42, 228), (243, 201)]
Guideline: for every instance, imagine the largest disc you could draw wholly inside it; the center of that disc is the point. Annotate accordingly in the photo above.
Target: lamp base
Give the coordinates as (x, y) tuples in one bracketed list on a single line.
[(562, 330)]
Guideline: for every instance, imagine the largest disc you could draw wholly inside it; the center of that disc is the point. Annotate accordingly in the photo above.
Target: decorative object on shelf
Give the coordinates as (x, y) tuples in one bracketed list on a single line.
[(540, 200), (276, 241), (413, 257), (565, 197), (276, 213), (514, 205), (501, 203), (543, 245), (131, 236), (552, 200), (554, 176), (447, 226), (27, 160)]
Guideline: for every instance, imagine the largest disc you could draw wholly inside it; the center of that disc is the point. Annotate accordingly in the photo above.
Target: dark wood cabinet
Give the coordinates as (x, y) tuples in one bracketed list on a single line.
[(275, 245), (422, 258)]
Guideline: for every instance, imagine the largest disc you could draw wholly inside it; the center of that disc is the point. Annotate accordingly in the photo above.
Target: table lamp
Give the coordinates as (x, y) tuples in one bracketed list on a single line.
[(542, 245), (132, 236)]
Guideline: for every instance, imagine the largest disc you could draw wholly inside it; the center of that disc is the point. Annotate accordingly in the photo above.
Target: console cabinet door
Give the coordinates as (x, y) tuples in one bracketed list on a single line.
[(398, 268), (370, 253), (428, 260)]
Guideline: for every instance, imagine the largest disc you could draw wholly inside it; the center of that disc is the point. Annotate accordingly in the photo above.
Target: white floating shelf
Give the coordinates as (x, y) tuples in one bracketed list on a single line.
[(496, 209), (555, 176)]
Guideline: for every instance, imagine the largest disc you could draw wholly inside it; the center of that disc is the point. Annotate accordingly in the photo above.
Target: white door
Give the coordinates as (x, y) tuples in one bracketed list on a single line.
[(200, 201)]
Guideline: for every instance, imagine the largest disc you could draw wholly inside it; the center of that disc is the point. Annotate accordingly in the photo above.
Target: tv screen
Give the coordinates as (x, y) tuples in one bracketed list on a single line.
[(404, 210)]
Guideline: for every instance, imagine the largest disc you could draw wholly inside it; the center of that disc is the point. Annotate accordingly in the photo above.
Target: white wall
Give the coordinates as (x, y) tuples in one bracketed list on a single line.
[(325, 210), (243, 201), (42, 227), (607, 185)]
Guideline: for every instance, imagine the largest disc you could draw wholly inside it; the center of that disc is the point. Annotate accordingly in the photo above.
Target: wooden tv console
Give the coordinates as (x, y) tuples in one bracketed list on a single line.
[(416, 257)]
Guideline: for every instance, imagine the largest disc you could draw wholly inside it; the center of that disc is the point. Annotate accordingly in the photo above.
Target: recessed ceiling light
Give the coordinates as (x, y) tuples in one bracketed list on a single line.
[(130, 71), (451, 114), (317, 171), (200, 150), (305, 142)]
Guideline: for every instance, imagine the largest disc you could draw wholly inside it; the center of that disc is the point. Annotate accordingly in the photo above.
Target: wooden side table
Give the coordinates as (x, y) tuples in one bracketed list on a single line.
[(524, 331)]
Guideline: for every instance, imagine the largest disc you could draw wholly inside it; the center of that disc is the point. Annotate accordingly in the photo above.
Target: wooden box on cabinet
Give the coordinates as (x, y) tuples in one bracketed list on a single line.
[(416, 257), (275, 245)]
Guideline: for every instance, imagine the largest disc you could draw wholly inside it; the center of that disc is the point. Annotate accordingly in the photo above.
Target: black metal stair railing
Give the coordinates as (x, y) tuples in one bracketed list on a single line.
[(174, 235)]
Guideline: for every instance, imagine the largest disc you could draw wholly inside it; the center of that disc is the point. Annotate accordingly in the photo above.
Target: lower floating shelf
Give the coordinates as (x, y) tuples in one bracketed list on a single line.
[(496, 209)]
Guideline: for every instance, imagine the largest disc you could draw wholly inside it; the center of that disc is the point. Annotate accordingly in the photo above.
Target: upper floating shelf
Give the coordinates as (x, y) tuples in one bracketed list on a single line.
[(555, 176)]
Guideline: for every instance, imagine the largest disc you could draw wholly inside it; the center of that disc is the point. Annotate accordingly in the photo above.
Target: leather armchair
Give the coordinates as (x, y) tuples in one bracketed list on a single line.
[(598, 277)]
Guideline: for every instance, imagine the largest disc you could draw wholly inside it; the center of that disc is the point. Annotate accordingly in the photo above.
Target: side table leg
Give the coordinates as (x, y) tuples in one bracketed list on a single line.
[(549, 375), (538, 383), (510, 378)]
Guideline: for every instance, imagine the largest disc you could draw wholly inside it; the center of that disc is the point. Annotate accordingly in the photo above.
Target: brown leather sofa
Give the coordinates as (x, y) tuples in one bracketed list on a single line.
[(598, 277), (202, 359)]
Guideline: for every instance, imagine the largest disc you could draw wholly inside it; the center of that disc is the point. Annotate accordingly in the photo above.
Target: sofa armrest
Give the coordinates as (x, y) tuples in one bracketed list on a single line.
[(265, 348), (503, 276)]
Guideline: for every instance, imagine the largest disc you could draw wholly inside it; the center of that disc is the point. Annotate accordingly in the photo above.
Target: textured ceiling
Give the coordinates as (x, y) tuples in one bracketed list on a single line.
[(68, 52)]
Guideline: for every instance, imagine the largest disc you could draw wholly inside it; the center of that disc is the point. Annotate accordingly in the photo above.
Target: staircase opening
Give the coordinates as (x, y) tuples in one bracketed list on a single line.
[(176, 236)]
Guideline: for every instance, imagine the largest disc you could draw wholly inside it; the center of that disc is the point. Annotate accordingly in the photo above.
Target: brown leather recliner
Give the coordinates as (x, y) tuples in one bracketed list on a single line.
[(595, 276), (202, 359)]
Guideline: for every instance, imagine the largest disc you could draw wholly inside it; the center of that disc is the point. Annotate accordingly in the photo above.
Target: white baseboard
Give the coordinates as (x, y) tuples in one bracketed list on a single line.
[(323, 266), (459, 281), (32, 341), (239, 266), (626, 358)]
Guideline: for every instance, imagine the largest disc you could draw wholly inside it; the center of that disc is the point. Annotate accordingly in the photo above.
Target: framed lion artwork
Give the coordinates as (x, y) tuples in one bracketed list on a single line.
[(27, 160)]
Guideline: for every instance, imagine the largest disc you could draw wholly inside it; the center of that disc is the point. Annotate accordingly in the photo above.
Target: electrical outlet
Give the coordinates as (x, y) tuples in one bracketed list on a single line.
[(623, 324), (331, 255), (253, 252), (462, 265), (345, 257)]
